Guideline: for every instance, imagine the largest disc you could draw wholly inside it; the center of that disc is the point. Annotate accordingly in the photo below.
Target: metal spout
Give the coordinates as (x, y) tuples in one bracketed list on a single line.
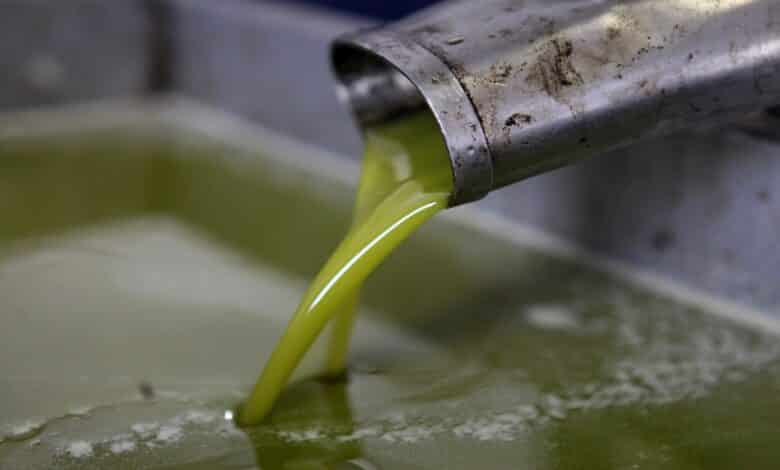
[(522, 87)]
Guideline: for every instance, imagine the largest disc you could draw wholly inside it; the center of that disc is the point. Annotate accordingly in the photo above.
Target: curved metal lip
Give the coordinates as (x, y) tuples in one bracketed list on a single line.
[(472, 165)]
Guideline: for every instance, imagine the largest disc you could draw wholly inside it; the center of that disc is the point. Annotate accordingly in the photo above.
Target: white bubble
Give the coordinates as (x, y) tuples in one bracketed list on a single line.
[(122, 446), (552, 317), (169, 434), (144, 430), (79, 449)]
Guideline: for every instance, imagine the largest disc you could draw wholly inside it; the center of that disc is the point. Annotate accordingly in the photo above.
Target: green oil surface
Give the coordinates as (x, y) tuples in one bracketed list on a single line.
[(153, 254), (406, 179)]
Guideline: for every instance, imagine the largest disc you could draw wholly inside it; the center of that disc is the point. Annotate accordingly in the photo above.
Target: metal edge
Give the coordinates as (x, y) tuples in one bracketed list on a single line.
[(471, 163)]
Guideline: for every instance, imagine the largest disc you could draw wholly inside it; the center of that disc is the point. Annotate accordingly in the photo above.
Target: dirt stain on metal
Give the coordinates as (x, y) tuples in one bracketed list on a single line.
[(518, 119), (554, 70)]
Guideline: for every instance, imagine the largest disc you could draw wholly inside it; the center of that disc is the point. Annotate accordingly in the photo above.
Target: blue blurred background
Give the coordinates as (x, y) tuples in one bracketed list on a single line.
[(384, 9)]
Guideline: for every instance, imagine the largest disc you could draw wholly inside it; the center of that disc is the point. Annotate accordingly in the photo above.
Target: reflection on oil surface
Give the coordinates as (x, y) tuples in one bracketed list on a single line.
[(143, 279)]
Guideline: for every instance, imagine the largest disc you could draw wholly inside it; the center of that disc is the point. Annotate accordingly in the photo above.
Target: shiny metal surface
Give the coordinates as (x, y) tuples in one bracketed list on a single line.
[(556, 81)]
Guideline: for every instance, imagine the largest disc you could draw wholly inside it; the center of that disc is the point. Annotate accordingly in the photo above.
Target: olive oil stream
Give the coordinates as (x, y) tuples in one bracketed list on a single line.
[(405, 180)]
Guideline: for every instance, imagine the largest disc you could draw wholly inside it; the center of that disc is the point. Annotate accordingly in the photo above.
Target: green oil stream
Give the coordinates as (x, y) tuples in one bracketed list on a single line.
[(406, 179)]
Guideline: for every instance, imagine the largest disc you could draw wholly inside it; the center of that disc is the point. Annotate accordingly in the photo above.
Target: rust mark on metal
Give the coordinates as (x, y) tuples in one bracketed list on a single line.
[(518, 119), (458, 70), (554, 70), (498, 74), (492, 82)]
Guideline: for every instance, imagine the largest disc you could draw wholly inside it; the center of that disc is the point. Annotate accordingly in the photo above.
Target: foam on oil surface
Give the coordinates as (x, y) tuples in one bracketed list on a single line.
[(174, 309), (201, 311), (611, 372)]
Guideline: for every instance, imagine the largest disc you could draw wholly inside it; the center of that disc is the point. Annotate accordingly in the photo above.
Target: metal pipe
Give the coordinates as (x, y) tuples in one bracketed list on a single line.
[(520, 87)]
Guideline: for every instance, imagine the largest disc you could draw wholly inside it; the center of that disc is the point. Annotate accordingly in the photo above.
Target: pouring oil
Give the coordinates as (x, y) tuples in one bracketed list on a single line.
[(526, 356), (406, 179)]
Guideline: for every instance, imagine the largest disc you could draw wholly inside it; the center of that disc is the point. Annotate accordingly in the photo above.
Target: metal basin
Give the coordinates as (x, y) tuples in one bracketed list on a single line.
[(150, 255)]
